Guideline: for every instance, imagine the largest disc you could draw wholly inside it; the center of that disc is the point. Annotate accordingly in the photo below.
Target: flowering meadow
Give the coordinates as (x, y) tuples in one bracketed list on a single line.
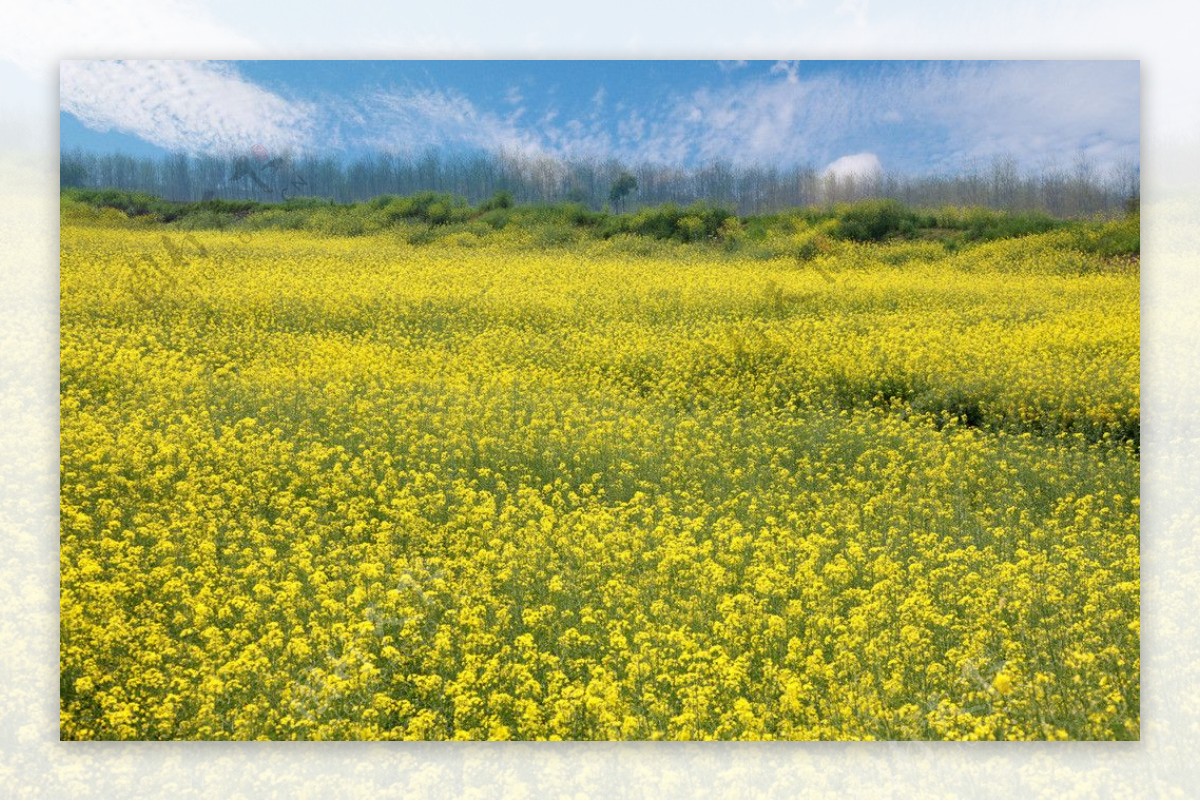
[(488, 487)]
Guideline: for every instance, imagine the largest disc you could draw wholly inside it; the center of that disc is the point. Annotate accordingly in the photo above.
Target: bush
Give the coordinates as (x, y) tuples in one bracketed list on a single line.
[(804, 234), (730, 233), (571, 214), (579, 215), (500, 200), (430, 207), (1121, 237), (75, 211), (132, 204), (695, 223), (875, 221), (556, 236), (810, 246), (281, 218), (985, 225), (496, 218), (198, 214)]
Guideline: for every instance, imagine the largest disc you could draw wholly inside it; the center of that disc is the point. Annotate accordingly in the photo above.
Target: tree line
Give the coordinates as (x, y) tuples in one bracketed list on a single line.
[(1076, 190)]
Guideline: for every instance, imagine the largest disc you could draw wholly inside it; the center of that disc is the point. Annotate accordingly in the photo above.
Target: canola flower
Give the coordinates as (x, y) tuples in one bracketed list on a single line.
[(351, 488)]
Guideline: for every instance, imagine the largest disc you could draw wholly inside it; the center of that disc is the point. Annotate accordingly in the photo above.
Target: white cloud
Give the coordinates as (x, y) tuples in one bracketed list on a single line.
[(632, 128), (918, 117), (190, 106), (410, 121), (1034, 111), (856, 165), (35, 36), (953, 114), (789, 69)]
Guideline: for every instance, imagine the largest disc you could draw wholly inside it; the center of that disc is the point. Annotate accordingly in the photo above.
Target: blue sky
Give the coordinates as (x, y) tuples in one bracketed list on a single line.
[(912, 117)]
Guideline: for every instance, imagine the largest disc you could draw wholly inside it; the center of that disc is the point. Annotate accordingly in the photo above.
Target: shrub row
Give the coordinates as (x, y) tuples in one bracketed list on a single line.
[(867, 221)]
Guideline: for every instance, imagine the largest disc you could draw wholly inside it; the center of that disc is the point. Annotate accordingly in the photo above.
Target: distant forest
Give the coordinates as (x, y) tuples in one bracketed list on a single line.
[(1074, 191)]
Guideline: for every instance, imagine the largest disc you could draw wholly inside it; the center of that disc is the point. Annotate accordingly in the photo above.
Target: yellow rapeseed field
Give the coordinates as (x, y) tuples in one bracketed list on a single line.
[(354, 488)]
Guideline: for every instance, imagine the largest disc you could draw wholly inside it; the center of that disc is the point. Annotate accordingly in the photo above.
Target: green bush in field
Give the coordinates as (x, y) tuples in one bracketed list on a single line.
[(430, 207), (978, 224), (695, 223), (500, 200), (875, 221), (133, 204), (803, 233), (497, 218), (570, 214), (1120, 237)]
